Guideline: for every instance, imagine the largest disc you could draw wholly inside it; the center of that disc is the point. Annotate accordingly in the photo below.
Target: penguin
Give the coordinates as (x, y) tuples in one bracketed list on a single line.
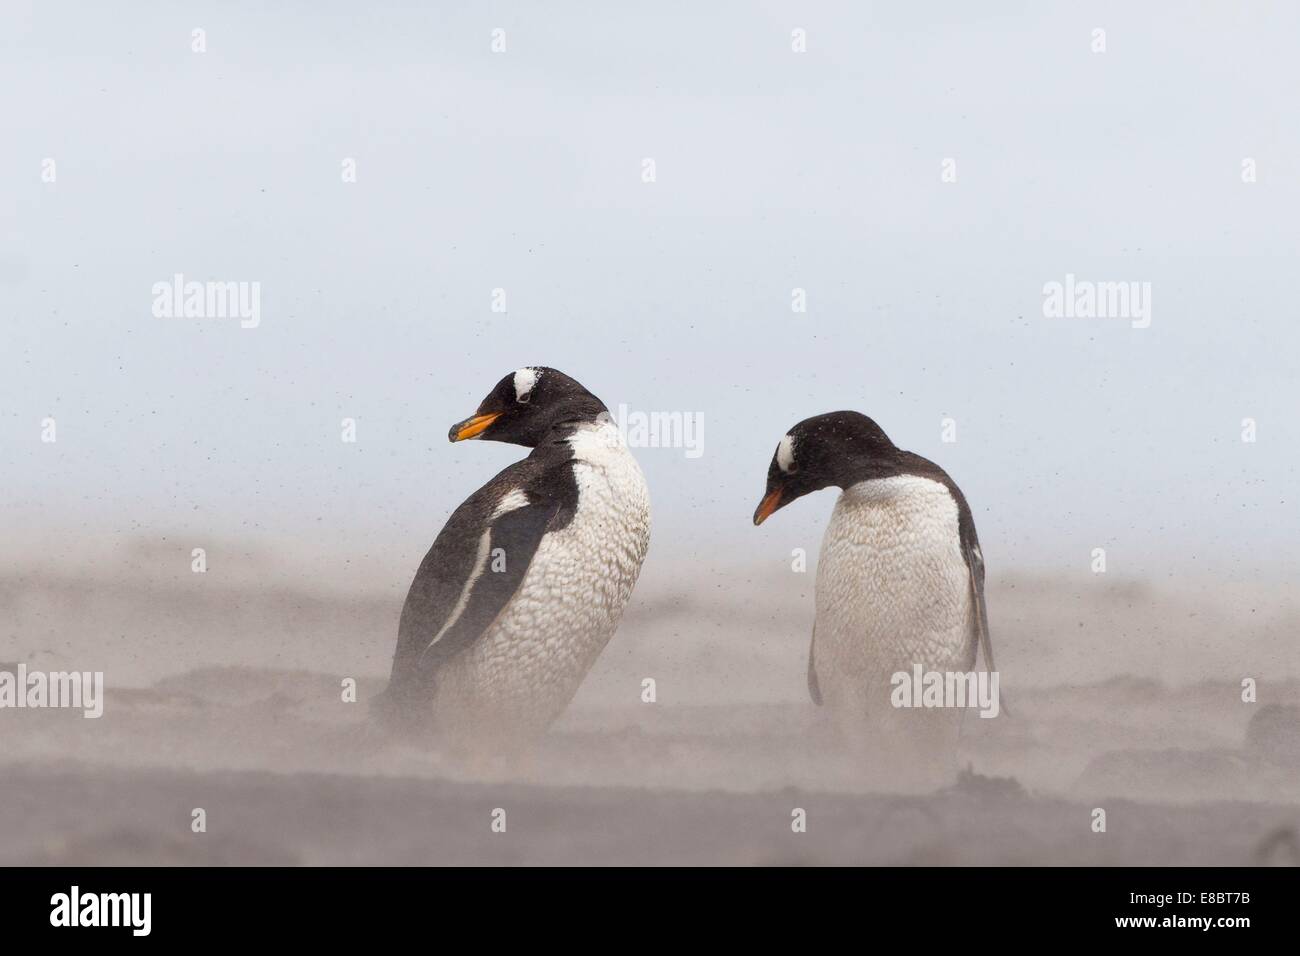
[(528, 579), (900, 581)]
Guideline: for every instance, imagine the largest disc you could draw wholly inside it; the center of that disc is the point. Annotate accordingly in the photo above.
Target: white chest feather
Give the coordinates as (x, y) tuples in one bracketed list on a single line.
[(528, 666), (893, 589)]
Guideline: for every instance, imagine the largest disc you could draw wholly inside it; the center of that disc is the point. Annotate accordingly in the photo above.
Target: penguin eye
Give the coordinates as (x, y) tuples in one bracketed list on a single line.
[(525, 398), (793, 469)]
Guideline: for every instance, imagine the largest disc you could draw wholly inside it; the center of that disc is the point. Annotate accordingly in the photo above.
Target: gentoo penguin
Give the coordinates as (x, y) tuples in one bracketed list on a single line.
[(900, 581), (527, 581)]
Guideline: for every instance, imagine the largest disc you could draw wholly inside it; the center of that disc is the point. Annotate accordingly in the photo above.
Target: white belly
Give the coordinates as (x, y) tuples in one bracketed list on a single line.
[(522, 673), (893, 591)]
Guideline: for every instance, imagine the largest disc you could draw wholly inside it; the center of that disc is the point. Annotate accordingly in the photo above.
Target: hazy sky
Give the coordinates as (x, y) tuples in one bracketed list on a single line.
[(775, 170)]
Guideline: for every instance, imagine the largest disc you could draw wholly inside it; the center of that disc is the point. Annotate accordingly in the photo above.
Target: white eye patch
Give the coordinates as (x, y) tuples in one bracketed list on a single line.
[(785, 454), (525, 382)]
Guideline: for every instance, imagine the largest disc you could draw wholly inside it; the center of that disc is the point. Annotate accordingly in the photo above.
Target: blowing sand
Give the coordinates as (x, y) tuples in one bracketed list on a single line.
[(227, 694)]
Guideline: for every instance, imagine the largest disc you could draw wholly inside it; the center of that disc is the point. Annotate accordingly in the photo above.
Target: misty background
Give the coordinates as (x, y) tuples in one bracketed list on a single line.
[(522, 171), (775, 170)]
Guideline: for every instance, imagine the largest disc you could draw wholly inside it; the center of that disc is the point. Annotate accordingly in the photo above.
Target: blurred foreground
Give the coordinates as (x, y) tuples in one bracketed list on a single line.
[(228, 696)]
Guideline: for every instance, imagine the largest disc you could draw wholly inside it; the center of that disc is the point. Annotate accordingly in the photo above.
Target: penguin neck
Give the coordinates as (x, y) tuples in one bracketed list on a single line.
[(577, 413), (862, 469), (595, 439), (909, 474)]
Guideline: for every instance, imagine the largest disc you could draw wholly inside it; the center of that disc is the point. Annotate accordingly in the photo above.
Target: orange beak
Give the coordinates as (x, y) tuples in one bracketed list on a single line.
[(771, 501), (472, 427)]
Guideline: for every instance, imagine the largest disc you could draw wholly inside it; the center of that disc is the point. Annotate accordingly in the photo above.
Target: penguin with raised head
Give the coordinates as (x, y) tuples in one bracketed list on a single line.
[(528, 579), (900, 581)]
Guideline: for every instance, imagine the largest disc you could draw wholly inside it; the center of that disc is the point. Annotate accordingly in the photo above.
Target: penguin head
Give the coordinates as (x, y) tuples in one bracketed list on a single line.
[(838, 448), (527, 405)]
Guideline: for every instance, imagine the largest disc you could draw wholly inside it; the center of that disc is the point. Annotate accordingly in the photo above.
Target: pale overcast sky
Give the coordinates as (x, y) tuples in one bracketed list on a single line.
[(775, 170)]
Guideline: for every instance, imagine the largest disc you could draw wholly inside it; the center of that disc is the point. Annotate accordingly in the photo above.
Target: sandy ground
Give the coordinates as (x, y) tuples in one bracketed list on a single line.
[(225, 694)]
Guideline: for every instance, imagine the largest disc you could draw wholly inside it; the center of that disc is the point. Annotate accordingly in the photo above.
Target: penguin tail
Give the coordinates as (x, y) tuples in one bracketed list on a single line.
[(384, 707), (400, 711)]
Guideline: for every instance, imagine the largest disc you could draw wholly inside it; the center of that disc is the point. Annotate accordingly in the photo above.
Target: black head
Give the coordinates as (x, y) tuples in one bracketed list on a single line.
[(838, 448), (527, 405)]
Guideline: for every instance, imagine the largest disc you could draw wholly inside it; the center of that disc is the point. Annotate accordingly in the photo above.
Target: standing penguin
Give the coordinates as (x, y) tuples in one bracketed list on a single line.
[(900, 581), (527, 581)]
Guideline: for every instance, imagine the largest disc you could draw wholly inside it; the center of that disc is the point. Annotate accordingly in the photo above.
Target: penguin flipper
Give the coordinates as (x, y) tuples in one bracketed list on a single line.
[(512, 540), (975, 561), (469, 576), (814, 689)]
